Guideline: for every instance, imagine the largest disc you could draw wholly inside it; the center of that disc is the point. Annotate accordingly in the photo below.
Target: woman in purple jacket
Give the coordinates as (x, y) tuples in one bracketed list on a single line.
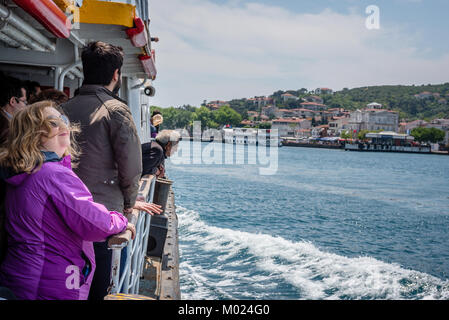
[(51, 219)]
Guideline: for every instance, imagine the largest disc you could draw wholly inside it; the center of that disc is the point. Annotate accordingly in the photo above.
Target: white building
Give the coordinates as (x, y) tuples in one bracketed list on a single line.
[(374, 119), (374, 105), (338, 124), (240, 135), (290, 127)]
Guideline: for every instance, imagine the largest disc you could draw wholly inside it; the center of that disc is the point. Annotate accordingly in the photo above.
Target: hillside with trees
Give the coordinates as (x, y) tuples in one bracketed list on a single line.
[(403, 99), (398, 98)]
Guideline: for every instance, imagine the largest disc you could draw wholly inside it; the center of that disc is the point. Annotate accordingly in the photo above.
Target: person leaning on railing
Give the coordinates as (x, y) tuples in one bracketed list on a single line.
[(155, 152), (110, 163), (51, 219)]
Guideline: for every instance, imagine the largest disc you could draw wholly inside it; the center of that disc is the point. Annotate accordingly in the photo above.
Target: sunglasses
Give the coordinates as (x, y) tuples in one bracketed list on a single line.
[(20, 100), (55, 121)]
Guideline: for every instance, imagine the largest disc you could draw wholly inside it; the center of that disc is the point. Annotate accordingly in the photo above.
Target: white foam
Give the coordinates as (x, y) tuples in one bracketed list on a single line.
[(315, 273)]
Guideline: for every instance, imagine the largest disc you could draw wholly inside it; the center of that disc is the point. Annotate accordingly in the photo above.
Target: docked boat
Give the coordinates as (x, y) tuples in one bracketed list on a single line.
[(387, 141)]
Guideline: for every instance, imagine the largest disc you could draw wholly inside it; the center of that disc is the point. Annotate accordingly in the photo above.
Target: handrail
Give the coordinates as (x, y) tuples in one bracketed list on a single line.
[(128, 281)]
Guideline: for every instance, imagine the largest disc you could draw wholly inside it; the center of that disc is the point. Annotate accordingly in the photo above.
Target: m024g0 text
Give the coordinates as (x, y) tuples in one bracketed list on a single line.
[(242, 309)]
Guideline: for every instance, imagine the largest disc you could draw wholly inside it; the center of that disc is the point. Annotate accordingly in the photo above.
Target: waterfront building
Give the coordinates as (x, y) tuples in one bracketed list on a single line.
[(374, 119), (320, 131), (407, 127), (305, 133), (240, 135), (290, 127), (389, 138), (338, 124)]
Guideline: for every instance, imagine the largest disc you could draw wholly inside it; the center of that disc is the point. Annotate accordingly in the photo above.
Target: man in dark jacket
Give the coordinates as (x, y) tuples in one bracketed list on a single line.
[(111, 162), (13, 98)]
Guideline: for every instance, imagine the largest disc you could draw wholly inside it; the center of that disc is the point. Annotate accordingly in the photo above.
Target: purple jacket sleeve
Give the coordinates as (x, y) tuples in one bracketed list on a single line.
[(90, 220)]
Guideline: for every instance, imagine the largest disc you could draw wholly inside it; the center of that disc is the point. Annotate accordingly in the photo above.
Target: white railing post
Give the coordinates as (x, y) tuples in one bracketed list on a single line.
[(128, 282)]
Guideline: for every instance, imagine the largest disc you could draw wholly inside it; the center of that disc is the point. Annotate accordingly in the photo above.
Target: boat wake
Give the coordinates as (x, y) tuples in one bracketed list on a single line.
[(219, 263)]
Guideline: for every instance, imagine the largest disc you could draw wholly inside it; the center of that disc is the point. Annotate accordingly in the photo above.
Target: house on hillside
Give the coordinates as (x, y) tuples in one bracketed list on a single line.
[(304, 113), (424, 95), (261, 101), (374, 105), (269, 111), (337, 112), (313, 106), (284, 113), (323, 91), (288, 96), (315, 99), (252, 115), (214, 105)]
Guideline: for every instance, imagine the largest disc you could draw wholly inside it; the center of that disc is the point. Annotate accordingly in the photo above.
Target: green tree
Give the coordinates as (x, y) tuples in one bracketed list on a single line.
[(204, 115), (226, 115), (264, 125), (432, 135), (175, 118), (345, 135)]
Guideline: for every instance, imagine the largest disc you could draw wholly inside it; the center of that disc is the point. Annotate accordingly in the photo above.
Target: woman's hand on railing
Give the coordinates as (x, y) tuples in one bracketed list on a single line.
[(150, 208), (131, 228)]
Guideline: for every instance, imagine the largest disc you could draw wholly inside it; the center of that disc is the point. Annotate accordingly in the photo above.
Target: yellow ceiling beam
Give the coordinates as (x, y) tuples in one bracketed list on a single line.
[(100, 12)]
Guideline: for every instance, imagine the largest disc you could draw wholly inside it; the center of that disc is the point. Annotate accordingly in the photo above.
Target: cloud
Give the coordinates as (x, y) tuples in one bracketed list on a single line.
[(234, 50)]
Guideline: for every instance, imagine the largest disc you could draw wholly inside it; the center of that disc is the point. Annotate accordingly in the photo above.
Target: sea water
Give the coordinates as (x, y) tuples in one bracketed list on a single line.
[(330, 224)]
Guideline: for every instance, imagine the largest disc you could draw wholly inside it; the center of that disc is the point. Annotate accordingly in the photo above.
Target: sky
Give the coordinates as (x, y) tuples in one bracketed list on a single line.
[(232, 49)]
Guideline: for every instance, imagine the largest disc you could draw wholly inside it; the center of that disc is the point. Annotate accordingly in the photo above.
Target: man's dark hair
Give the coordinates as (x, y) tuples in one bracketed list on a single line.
[(30, 87), (155, 112), (100, 60), (10, 87), (57, 96)]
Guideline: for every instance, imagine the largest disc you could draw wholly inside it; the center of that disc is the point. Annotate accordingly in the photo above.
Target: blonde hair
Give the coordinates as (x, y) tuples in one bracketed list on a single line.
[(22, 152)]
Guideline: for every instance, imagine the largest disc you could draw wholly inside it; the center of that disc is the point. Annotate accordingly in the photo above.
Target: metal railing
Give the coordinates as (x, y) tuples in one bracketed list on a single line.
[(127, 281)]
